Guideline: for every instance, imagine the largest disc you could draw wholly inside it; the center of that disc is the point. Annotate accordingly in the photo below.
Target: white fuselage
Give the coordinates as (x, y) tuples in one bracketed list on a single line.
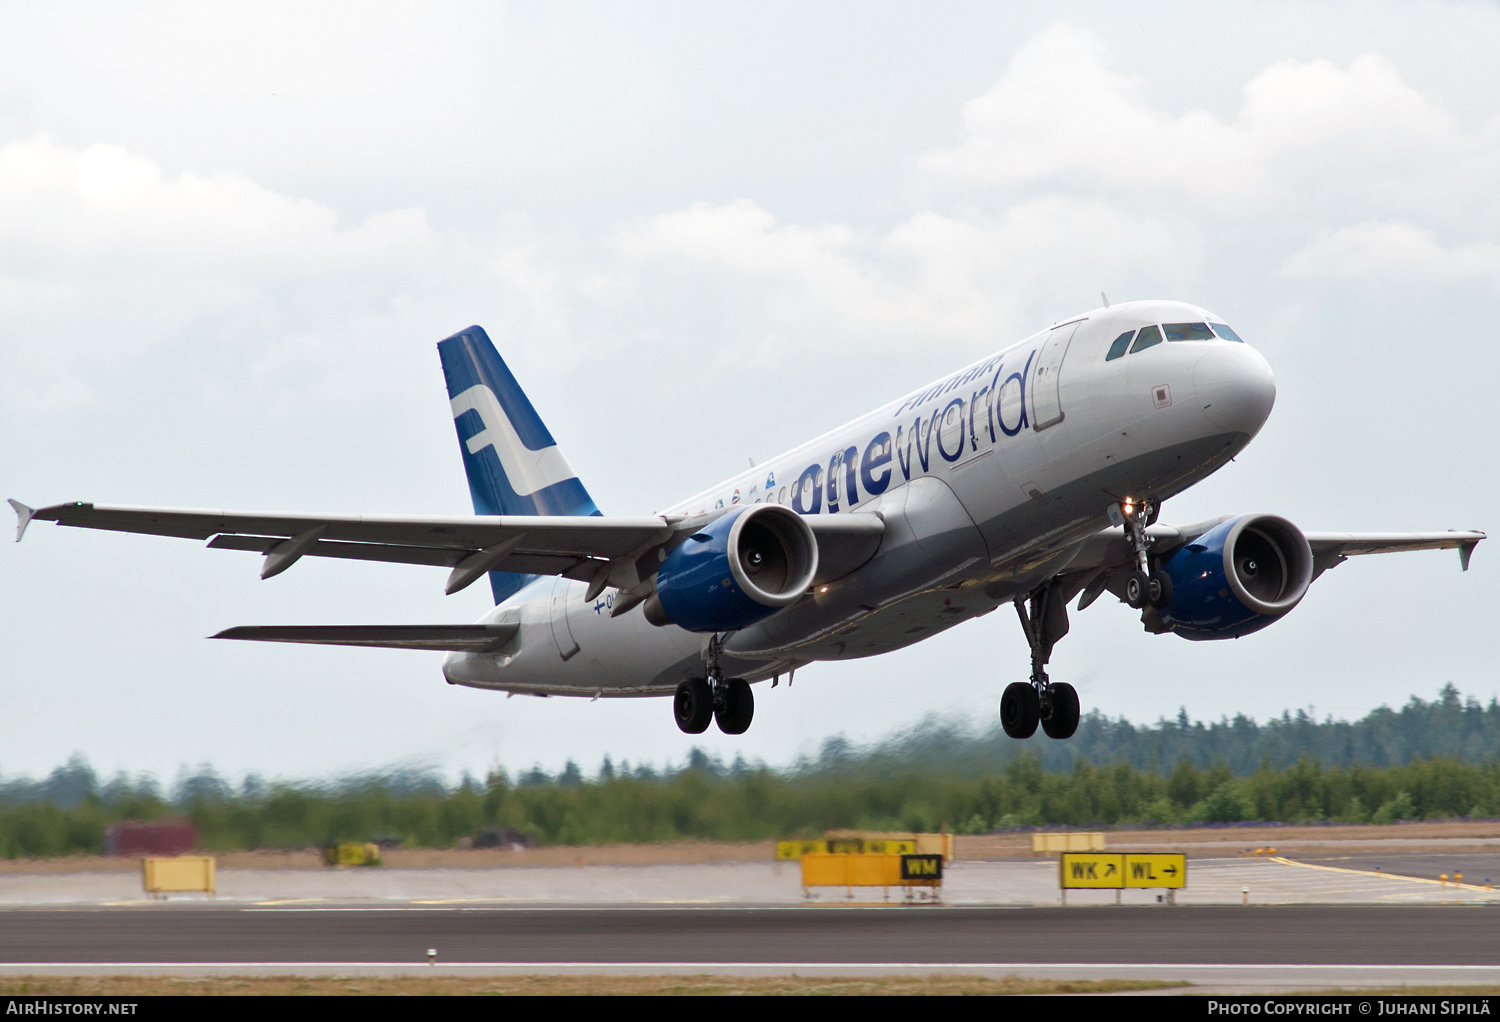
[(987, 479)]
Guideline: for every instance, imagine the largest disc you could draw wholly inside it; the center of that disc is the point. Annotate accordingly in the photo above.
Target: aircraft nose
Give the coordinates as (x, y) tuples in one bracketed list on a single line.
[(1235, 388)]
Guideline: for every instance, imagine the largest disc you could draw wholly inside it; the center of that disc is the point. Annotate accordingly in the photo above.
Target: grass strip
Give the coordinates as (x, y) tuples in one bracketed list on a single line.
[(547, 985)]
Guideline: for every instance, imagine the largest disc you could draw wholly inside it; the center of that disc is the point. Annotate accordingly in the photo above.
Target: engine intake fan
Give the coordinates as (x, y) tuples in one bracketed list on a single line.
[(1237, 578)]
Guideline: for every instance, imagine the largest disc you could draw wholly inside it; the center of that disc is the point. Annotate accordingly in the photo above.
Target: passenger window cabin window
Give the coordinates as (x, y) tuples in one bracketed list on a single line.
[(1148, 336), (1188, 332), (1222, 329), (1118, 348)]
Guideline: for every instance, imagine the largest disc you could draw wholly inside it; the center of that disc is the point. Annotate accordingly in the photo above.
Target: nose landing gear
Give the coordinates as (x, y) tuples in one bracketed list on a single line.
[(1146, 586), (1054, 705)]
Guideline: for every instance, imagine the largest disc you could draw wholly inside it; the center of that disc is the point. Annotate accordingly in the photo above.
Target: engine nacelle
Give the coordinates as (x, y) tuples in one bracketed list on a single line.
[(738, 569), (1237, 578)]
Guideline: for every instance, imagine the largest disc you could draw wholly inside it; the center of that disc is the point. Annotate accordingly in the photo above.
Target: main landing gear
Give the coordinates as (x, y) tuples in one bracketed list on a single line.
[(1145, 585), (1054, 705), (1044, 619), (728, 701)]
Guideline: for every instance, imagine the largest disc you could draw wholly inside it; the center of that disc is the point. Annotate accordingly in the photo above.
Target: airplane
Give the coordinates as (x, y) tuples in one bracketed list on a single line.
[(1029, 477)]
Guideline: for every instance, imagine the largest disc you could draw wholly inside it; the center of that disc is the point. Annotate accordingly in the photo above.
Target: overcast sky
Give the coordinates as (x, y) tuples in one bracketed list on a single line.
[(230, 237)]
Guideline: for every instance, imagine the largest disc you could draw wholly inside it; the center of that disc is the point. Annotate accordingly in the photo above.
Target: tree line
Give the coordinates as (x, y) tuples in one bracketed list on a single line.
[(905, 783)]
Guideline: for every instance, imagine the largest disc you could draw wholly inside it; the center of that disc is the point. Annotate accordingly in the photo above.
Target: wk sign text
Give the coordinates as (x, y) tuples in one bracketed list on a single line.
[(1110, 871)]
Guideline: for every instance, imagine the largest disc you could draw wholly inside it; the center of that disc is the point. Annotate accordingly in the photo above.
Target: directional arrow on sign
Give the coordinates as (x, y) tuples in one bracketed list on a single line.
[(1109, 869)]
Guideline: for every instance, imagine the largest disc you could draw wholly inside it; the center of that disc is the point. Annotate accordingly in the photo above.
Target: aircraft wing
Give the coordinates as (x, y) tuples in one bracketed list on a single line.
[(603, 551), (1104, 559), (1331, 548), (463, 638)]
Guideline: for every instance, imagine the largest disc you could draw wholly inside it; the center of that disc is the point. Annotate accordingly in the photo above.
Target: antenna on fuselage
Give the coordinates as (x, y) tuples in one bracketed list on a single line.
[(1104, 298)]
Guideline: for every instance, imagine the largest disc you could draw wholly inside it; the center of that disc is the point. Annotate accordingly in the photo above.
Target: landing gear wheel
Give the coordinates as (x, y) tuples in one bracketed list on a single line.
[(1020, 709), (739, 706), (693, 706), (1159, 589), (1137, 590), (1061, 718)]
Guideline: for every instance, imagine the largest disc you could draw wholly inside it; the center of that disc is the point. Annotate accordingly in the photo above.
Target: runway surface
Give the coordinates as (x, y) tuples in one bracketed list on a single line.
[(1393, 935), (1318, 924), (1476, 867)]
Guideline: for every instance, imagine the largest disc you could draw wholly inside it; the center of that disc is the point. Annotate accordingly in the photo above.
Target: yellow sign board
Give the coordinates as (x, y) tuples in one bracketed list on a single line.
[(181, 873), (791, 851), (1098, 870), (1090, 870), (1156, 870), (352, 853), (1067, 841), (843, 869)]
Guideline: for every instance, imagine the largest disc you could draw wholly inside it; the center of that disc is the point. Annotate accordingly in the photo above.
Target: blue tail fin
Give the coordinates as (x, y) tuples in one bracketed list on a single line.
[(513, 464)]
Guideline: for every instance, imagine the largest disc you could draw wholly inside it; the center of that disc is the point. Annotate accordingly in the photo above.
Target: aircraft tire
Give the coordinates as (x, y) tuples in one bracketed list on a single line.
[(1137, 590), (1062, 721), (1019, 709), (1159, 589), (738, 709), (693, 706)]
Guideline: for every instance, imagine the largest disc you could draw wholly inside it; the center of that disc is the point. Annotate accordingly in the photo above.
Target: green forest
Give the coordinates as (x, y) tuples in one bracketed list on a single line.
[(1427, 760)]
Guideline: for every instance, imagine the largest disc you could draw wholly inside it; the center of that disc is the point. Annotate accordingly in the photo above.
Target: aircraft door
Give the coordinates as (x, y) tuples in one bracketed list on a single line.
[(1046, 402), (562, 633)]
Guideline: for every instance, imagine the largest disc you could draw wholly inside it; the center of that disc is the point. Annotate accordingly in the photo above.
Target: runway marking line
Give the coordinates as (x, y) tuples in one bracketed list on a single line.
[(1255, 966), (523, 905), (485, 901), (291, 901), (1383, 876)]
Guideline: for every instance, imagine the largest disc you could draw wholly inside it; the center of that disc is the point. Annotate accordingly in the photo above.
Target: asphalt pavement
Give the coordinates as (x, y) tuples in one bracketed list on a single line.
[(932, 935)]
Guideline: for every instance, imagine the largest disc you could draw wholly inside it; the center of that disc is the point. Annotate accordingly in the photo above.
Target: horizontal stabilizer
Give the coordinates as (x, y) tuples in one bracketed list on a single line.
[(24, 515), (458, 638)]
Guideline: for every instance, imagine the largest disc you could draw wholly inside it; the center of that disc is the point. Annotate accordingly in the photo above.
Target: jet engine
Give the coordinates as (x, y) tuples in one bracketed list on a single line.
[(738, 569), (1237, 578)]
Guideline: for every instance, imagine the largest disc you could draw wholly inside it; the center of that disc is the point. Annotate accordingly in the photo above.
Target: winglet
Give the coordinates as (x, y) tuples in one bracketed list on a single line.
[(1465, 551), (23, 517)]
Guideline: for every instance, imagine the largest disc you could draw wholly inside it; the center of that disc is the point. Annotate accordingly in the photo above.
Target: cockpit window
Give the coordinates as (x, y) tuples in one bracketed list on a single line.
[(1222, 329), (1188, 332), (1148, 336), (1118, 348)]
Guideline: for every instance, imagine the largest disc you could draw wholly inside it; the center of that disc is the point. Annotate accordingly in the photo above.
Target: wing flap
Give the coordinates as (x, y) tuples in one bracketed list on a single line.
[(391, 552), (457, 638)]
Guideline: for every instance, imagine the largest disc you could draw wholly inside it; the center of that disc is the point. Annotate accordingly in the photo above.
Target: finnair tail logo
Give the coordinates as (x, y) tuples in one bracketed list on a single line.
[(528, 471)]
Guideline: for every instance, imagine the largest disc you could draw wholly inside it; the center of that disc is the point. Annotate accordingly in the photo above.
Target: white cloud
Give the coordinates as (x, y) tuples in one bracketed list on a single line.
[(102, 198), (1393, 251), (1306, 130), (932, 275)]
